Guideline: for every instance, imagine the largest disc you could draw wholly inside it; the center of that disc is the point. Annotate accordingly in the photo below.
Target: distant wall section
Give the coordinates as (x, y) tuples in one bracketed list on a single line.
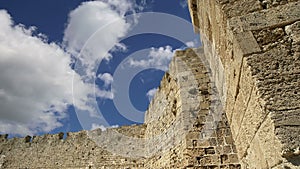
[(77, 151)]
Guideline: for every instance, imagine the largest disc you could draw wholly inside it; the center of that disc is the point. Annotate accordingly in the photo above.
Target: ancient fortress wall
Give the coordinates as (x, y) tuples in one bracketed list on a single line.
[(254, 48), (185, 127), (186, 115), (76, 151), (234, 103)]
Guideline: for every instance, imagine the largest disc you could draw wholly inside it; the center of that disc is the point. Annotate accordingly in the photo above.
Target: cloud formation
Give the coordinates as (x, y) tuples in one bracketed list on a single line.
[(93, 29), (158, 58), (150, 94), (191, 44), (106, 78), (103, 128), (35, 81)]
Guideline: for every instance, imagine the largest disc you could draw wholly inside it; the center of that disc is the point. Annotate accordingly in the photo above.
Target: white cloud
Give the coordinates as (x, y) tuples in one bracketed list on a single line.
[(144, 5), (100, 22), (106, 78), (36, 81), (150, 94), (106, 94), (120, 6), (98, 126), (159, 58), (103, 128), (190, 44)]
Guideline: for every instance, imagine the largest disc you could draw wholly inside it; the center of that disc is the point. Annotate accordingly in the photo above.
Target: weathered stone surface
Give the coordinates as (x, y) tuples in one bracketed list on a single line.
[(257, 42), (49, 151), (234, 103), (207, 136)]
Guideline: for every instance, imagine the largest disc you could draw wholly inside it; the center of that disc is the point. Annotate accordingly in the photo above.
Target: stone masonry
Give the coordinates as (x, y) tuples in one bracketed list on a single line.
[(233, 104), (254, 47), (196, 119)]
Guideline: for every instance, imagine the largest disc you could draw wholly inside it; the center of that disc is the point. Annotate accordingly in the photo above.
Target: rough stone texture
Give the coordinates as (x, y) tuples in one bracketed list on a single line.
[(51, 151), (257, 42), (200, 135), (234, 103)]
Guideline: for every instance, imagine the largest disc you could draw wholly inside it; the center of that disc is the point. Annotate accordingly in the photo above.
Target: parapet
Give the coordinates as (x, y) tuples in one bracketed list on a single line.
[(3, 137), (76, 150)]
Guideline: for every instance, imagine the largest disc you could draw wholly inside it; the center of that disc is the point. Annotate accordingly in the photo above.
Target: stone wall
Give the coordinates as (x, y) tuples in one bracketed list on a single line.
[(77, 151), (232, 104), (257, 44), (187, 110), (209, 142)]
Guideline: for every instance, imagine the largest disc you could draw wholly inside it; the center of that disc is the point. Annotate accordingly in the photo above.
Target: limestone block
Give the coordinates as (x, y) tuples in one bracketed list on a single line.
[(275, 17), (255, 153), (239, 109)]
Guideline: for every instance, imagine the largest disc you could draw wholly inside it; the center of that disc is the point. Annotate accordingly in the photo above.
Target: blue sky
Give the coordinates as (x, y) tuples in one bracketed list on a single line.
[(73, 65)]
